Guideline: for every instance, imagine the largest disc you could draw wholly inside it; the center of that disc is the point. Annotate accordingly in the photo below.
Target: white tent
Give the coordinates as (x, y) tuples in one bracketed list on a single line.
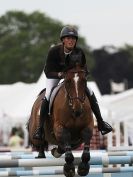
[(120, 106), (16, 101)]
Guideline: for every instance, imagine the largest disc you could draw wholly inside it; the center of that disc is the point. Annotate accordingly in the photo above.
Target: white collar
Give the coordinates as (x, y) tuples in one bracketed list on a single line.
[(67, 53)]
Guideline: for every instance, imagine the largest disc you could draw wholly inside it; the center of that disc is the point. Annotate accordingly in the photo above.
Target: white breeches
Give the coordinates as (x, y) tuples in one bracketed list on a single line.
[(50, 83), (90, 90)]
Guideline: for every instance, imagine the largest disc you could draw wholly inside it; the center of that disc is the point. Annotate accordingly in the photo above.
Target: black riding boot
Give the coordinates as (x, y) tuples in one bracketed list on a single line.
[(39, 132), (103, 126)]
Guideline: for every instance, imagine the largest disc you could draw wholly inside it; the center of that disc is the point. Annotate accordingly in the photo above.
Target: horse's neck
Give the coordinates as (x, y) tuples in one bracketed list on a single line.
[(64, 96)]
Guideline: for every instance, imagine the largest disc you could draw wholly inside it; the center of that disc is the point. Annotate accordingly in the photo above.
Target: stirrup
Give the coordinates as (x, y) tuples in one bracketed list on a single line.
[(104, 132)]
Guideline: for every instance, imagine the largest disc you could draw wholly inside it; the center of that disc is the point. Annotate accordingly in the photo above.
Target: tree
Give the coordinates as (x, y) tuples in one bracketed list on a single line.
[(24, 42), (129, 50)]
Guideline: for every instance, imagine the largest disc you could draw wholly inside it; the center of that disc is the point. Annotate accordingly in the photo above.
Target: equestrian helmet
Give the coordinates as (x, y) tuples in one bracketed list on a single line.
[(68, 31)]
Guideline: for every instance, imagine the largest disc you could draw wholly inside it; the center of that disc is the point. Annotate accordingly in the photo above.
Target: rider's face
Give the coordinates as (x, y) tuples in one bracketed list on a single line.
[(69, 42)]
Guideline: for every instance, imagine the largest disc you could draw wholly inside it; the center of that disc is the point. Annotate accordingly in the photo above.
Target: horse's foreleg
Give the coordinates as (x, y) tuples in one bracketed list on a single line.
[(84, 167), (57, 152), (41, 153), (65, 140), (41, 149)]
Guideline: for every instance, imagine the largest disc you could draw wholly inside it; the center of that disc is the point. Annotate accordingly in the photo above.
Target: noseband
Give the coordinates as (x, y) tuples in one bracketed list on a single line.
[(70, 98)]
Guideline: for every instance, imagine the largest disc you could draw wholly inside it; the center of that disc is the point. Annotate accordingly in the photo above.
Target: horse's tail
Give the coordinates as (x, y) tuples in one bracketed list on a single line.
[(42, 91), (27, 125)]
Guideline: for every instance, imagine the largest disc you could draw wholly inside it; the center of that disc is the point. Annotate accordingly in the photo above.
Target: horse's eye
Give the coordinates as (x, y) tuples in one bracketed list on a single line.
[(68, 81), (83, 82)]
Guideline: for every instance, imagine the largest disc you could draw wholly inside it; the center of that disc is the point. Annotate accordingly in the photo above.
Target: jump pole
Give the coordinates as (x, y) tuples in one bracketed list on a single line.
[(105, 160), (52, 171)]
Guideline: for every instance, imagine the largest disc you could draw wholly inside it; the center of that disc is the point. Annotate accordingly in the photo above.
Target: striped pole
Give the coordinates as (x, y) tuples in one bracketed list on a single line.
[(33, 155), (104, 160), (51, 171), (77, 153), (34, 175)]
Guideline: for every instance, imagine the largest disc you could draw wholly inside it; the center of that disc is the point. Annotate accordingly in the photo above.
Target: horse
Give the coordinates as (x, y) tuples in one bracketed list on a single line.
[(70, 123)]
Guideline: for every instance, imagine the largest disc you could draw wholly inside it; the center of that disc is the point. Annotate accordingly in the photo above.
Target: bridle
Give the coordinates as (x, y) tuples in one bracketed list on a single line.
[(70, 97), (81, 99)]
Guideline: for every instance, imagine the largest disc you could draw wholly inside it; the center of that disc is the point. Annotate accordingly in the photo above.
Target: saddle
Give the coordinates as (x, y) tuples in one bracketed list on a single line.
[(53, 94)]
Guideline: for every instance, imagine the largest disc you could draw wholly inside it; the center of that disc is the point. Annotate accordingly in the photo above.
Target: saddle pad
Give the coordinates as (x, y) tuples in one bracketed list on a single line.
[(52, 96)]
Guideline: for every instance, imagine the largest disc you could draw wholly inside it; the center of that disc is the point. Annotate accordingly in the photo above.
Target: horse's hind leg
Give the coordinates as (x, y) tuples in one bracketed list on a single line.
[(84, 167)]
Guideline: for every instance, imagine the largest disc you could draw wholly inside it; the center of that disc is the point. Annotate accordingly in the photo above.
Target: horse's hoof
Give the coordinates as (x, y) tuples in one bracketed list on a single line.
[(40, 155), (69, 170), (83, 169), (55, 153)]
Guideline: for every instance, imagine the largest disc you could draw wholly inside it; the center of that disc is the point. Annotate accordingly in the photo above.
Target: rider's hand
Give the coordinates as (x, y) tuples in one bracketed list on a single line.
[(60, 75)]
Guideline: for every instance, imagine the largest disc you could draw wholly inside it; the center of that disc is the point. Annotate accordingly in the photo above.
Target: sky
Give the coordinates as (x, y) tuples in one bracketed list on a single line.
[(100, 22)]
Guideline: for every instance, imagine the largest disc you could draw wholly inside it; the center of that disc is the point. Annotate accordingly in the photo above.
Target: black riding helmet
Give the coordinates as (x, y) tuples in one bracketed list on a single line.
[(68, 31)]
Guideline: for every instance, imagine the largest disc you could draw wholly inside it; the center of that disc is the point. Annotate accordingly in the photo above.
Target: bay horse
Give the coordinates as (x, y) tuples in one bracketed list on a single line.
[(70, 124)]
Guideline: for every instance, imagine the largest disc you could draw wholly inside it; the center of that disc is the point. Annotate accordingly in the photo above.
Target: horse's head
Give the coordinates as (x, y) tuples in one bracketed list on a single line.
[(75, 86)]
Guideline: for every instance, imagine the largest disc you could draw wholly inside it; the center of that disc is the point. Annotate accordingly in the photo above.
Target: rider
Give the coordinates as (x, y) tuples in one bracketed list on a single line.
[(54, 67)]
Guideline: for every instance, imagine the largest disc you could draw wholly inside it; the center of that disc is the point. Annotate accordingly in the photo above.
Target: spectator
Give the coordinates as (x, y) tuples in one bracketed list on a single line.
[(15, 140)]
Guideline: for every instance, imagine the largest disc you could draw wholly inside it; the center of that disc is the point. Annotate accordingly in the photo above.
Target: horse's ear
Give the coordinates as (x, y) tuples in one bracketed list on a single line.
[(76, 58), (64, 74), (73, 60)]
